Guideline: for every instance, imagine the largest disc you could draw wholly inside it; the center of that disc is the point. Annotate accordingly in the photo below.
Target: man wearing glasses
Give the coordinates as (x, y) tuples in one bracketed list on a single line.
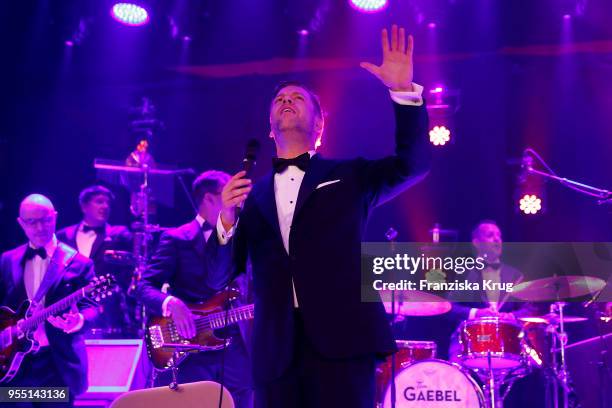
[(45, 271), (182, 260)]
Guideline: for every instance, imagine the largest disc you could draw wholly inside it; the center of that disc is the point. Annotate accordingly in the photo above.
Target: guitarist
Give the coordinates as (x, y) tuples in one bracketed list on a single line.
[(45, 271), (182, 260)]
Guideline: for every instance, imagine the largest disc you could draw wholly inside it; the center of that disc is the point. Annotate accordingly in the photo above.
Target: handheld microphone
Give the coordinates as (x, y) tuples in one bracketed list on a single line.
[(248, 163)]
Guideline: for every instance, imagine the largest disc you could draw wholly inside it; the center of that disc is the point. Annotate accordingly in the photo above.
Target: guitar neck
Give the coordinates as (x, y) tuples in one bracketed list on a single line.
[(32, 322), (218, 320)]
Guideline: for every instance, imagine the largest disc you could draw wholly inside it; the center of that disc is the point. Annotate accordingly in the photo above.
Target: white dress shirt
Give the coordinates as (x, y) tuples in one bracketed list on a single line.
[(287, 184), (33, 274), (85, 240)]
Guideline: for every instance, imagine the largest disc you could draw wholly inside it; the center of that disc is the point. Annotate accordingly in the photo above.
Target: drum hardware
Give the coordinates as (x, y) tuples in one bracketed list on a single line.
[(438, 382)]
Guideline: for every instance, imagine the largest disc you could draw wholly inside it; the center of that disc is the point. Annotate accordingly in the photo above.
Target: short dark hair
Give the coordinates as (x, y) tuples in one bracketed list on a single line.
[(210, 181), (88, 193), (313, 96), (481, 222)]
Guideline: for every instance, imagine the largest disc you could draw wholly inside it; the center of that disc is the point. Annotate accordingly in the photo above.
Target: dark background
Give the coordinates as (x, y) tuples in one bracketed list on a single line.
[(526, 77)]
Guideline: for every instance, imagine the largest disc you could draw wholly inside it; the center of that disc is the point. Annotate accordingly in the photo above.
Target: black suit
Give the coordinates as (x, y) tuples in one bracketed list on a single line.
[(183, 260), (114, 311), (66, 359), (324, 257)]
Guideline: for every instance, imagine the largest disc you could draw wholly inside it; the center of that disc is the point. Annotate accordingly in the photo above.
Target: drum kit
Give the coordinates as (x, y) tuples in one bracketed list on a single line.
[(493, 353)]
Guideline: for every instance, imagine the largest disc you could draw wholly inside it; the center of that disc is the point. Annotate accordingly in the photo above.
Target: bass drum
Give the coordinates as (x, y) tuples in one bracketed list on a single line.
[(434, 384)]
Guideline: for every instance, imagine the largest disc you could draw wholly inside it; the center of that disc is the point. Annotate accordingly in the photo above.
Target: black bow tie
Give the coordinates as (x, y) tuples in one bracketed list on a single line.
[(98, 230), (30, 253), (206, 226), (301, 162)]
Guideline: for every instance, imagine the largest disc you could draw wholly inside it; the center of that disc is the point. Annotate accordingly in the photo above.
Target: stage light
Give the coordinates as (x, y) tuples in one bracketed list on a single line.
[(431, 25), (130, 14), (439, 135), (530, 204), (368, 6), (303, 32), (566, 17)]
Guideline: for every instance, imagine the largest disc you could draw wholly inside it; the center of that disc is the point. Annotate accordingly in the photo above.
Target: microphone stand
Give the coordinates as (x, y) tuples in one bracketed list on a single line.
[(391, 236), (603, 196)]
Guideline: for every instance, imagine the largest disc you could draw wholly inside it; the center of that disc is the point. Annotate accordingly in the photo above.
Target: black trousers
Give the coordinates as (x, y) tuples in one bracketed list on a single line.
[(39, 370), (206, 366), (314, 381)]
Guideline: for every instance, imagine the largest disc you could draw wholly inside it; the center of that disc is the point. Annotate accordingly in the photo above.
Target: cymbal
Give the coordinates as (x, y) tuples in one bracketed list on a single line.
[(557, 288), (552, 318), (415, 303)]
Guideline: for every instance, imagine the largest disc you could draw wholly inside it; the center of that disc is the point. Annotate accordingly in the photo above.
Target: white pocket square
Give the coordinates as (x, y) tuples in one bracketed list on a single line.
[(327, 183)]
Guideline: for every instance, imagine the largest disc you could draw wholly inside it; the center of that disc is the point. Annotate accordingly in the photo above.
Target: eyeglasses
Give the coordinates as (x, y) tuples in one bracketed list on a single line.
[(31, 222)]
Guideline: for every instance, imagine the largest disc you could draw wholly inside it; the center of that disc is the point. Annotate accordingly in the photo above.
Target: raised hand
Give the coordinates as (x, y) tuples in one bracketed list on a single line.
[(396, 69)]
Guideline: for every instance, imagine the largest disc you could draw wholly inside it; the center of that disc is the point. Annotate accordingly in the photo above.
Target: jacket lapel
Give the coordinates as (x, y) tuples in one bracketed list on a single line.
[(266, 202), (60, 260), (197, 237), (317, 170), (17, 270), (99, 241)]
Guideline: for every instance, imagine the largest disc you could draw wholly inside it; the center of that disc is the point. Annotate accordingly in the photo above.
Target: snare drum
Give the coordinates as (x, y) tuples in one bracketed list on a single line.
[(434, 384), (500, 338), (408, 352)]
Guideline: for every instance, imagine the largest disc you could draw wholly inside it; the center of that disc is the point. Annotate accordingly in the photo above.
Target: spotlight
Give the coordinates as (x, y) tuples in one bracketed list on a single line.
[(130, 14), (431, 25), (303, 32), (439, 135), (368, 6), (530, 204)]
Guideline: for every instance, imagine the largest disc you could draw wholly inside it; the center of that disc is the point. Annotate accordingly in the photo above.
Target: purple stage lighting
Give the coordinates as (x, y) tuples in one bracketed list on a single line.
[(130, 14), (530, 204), (368, 6), (431, 25), (439, 135)]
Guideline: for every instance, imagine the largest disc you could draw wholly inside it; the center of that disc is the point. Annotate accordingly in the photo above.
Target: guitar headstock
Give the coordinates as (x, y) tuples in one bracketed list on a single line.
[(101, 287)]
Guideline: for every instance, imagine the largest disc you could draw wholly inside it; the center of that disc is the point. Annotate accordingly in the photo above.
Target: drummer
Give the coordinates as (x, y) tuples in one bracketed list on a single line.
[(487, 242)]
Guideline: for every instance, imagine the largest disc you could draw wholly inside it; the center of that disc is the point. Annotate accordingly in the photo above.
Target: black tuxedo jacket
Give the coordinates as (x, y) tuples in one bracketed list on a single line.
[(69, 271), (332, 209), (116, 237), (183, 260)]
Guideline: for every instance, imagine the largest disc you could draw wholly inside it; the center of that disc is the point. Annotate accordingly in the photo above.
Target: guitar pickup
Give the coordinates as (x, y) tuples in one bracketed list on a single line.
[(156, 336)]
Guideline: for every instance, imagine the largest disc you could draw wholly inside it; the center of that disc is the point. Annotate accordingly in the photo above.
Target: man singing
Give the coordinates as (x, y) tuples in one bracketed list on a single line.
[(315, 343), (182, 260), (45, 271)]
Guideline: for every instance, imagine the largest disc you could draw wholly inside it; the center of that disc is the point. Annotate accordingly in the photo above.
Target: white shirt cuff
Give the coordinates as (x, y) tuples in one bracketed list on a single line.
[(411, 98), (78, 326), (472, 314), (165, 312), (223, 235)]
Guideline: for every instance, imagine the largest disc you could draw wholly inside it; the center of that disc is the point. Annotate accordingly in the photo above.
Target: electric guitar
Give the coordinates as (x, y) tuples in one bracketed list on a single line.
[(17, 328), (166, 347)]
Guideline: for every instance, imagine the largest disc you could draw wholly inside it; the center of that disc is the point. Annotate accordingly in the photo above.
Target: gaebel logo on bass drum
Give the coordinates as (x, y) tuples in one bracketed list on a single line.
[(431, 395)]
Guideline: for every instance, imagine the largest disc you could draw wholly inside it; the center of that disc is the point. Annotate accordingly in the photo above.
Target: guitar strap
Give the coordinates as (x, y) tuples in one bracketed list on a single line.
[(54, 273)]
